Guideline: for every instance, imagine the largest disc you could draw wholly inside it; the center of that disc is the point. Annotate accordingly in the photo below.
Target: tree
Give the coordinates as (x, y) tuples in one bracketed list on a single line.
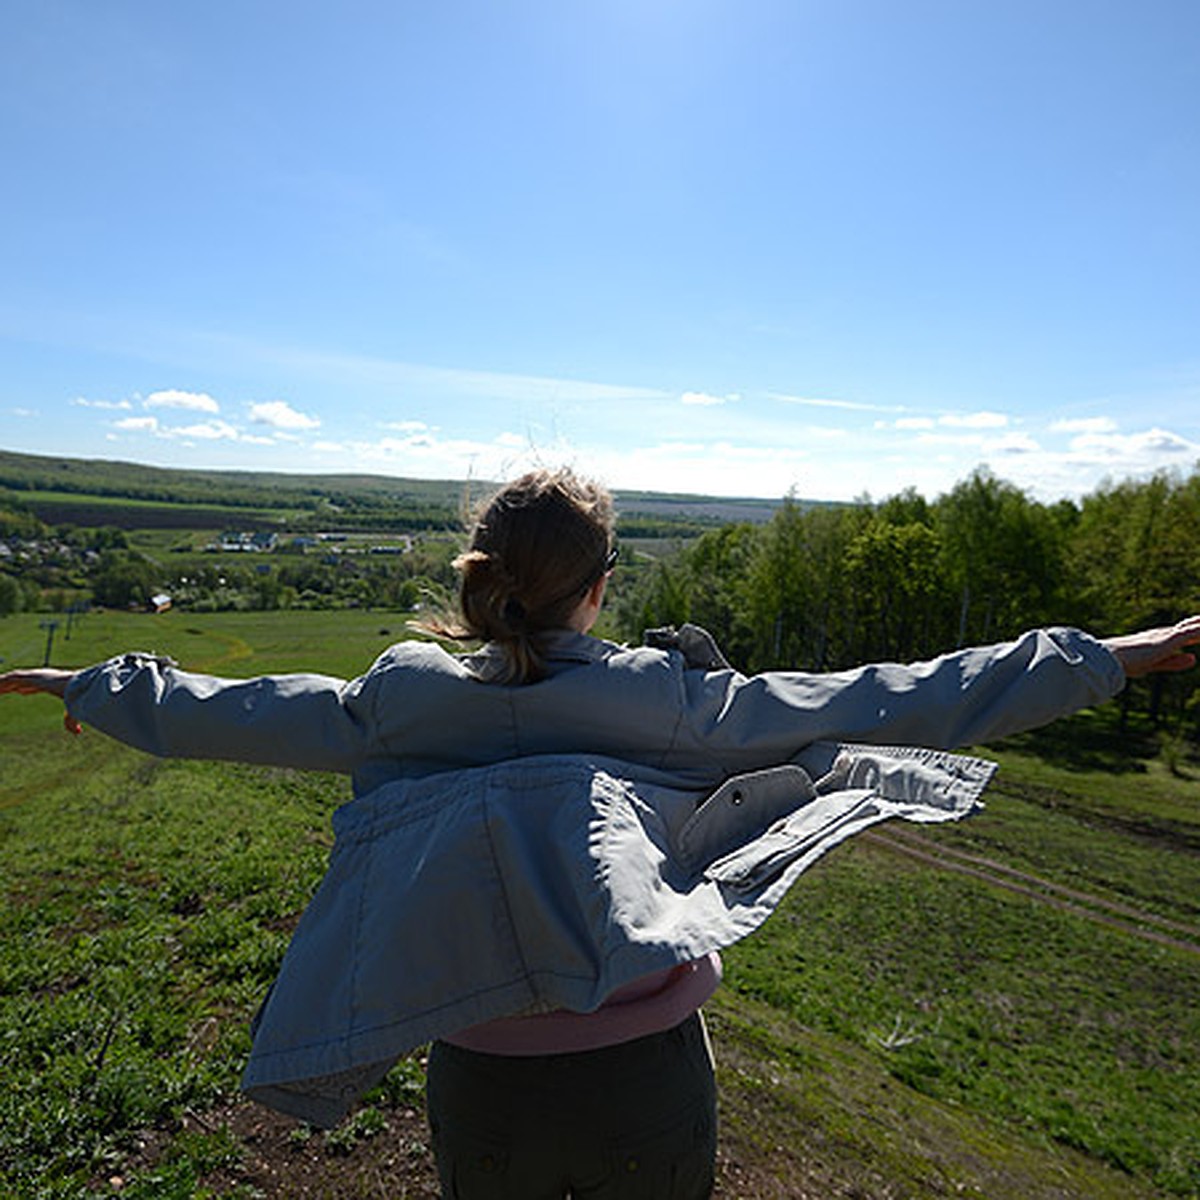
[(798, 596), (124, 579), (717, 568), (1002, 554), (12, 597), (895, 575)]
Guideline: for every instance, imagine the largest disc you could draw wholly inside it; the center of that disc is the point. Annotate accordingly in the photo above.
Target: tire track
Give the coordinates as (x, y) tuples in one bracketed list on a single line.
[(1148, 926)]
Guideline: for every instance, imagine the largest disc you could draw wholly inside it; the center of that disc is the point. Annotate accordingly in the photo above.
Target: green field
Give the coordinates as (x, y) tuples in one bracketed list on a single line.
[(1003, 1008)]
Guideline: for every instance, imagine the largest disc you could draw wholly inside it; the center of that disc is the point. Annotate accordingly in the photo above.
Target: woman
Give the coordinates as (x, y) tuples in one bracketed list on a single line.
[(553, 837)]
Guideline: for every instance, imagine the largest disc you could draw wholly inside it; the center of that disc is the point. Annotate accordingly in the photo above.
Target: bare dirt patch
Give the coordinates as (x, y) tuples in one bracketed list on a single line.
[(282, 1160)]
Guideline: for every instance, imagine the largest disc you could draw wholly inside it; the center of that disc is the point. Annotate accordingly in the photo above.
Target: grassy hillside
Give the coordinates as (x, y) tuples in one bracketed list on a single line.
[(133, 496), (1003, 1008)]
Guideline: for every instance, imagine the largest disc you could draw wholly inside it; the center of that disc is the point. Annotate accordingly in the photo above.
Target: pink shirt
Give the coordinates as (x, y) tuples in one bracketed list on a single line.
[(648, 1005)]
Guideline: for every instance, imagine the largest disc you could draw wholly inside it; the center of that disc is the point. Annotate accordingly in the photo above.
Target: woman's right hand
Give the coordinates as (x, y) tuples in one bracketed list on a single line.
[(33, 681)]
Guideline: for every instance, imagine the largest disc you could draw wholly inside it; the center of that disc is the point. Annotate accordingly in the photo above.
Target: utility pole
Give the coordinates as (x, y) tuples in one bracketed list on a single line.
[(49, 627), (75, 610)]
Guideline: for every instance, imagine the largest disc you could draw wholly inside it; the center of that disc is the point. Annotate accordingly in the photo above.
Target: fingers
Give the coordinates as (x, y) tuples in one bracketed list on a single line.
[(46, 681), (1155, 650), (20, 683), (31, 681), (1185, 633), (1176, 662), (1188, 632)]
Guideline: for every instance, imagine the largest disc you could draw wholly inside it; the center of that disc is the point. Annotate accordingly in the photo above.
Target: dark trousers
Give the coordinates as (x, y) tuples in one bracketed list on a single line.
[(630, 1122)]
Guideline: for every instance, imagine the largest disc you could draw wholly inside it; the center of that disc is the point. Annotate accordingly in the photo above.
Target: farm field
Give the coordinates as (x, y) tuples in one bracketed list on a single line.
[(130, 512), (1003, 1008)]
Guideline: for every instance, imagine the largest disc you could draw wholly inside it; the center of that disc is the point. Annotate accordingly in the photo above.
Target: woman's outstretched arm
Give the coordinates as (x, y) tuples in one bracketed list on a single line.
[(964, 698), (304, 721), (51, 681)]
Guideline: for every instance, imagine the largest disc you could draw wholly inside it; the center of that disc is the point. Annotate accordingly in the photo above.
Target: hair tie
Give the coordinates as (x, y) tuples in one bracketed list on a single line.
[(514, 614)]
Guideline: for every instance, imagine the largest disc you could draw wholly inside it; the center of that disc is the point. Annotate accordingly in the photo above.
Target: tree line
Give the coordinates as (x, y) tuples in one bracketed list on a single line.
[(906, 578)]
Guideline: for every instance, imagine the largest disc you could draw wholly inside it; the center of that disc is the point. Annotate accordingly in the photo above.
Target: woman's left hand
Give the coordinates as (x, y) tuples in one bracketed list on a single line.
[(1163, 649)]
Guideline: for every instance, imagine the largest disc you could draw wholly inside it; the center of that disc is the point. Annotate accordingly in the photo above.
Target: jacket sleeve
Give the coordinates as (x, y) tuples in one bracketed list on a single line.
[(959, 699), (306, 721)]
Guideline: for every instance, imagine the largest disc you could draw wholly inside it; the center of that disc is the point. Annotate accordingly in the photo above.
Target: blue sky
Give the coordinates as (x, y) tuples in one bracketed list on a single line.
[(729, 247)]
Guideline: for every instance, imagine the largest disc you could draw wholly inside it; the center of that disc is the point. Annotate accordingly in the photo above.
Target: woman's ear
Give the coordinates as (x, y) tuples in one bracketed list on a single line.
[(584, 616)]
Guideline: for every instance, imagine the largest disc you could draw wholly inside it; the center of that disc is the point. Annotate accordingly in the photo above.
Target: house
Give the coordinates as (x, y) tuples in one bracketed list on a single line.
[(259, 543)]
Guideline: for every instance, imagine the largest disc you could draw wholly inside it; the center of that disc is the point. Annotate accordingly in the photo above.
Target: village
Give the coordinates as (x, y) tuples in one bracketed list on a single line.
[(55, 570)]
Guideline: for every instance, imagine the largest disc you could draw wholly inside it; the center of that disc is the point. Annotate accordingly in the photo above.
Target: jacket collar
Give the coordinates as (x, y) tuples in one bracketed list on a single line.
[(562, 648)]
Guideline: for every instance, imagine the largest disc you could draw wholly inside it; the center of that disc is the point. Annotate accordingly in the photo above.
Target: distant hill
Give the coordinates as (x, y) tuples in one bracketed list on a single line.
[(102, 491)]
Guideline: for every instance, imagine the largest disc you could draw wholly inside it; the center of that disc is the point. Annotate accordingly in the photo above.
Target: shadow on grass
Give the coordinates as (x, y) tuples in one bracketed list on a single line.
[(1093, 740)]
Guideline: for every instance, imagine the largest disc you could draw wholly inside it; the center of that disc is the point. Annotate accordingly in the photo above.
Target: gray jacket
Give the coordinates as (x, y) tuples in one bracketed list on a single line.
[(516, 849)]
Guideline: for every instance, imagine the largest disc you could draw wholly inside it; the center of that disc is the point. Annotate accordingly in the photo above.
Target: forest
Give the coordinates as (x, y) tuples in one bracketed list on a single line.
[(906, 578)]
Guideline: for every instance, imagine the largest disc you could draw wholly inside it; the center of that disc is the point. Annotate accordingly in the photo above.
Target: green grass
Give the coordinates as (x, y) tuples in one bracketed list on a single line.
[(144, 916), (996, 1003), (916, 1027), (342, 642), (825, 1117)]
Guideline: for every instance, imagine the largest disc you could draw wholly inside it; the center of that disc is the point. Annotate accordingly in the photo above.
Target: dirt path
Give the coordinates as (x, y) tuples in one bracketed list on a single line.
[(1145, 925)]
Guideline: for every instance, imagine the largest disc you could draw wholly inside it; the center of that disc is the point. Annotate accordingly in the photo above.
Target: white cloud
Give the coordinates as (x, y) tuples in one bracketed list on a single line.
[(137, 424), (976, 420), (209, 431), (406, 426), (1084, 425), (23, 412), (281, 415), (415, 441), (712, 468), (425, 454), (174, 398), (1012, 443), (822, 402), (82, 402), (1163, 441), (963, 440), (1149, 445), (703, 398)]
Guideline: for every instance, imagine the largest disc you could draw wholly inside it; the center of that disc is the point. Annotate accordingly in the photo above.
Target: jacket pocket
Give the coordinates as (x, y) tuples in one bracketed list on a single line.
[(740, 811), (805, 835)]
